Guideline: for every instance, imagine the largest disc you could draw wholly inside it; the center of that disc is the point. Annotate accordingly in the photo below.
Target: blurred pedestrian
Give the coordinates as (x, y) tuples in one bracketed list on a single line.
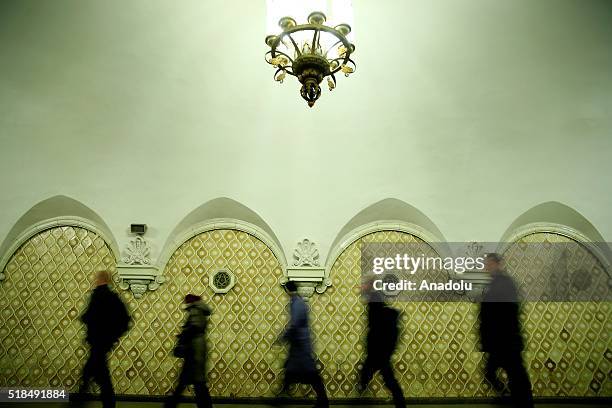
[(381, 341), (500, 333), (191, 347), (106, 320), (300, 367)]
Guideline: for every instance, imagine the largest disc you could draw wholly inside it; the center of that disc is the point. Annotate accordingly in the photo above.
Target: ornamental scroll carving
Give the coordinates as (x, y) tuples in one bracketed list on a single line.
[(137, 273)]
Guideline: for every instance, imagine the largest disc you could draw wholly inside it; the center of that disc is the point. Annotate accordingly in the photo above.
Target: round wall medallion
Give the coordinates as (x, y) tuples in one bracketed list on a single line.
[(222, 280)]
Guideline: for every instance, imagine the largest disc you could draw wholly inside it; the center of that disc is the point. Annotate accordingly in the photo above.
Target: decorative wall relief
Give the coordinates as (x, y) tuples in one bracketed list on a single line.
[(306, 254), (136, 273), (306, 270), (478, 278), (222, 280), (137, 252)]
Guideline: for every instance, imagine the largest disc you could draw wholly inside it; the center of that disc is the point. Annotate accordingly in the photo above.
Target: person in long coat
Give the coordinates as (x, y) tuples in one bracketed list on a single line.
[(106, 319), (300, 366), (381, 341), (500, 333), (191, 346)]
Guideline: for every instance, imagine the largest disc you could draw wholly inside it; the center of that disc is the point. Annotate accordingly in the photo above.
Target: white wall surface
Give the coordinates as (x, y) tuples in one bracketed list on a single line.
[(472, 111)]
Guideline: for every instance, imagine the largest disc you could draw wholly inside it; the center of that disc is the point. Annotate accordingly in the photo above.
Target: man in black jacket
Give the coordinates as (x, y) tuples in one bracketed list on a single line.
[(381, 340), (500, 333), (106, 319)]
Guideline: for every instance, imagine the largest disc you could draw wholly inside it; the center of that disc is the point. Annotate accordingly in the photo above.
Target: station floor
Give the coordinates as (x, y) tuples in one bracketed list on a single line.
[(133, 404)]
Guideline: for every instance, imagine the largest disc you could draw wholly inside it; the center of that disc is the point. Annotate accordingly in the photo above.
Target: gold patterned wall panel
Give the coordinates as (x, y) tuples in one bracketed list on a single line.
[(244, 324), (436, 354), (568, 344), (49, 277), (45, 290), (48, 282)]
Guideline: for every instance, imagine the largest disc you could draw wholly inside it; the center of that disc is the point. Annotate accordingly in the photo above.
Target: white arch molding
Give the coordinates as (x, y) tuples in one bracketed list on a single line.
[(63, 221), (377, 226), (220, 224), (599, 249)]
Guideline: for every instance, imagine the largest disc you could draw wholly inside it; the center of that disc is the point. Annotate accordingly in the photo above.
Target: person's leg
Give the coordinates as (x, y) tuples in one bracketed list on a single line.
[(173, 398), (77, 400), (103, 378), (367, 372), (203, 399), (490, 373), (518, 380), (319, 388), (393, 386), (288, 381), (88, 372)]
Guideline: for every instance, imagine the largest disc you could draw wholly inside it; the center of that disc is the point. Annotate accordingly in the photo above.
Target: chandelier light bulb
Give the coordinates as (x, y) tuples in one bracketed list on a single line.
[(317, 18), (344, 29), (286, 23), (271, 39)]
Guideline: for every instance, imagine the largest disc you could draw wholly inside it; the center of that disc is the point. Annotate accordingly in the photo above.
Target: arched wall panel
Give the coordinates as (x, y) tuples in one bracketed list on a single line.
[(41, 300), (569, 349), (49, 277), (436, 354), (48, 282), (569, 344)]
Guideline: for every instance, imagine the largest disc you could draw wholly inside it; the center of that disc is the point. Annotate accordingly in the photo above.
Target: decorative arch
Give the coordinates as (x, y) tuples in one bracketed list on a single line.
[(222, 213), (567, 347), (434, 355), (554, 217), (53, 212), (389, 214)]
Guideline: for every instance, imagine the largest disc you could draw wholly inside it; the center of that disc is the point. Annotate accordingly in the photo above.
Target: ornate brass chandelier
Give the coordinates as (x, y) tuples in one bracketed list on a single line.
[(311, 52)]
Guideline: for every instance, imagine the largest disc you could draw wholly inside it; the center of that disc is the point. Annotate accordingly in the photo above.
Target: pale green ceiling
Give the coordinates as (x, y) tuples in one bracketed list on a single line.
[(472, 111)]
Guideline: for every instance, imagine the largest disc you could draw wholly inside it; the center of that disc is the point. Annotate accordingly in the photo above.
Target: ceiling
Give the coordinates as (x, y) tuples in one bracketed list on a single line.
[(465, 109)]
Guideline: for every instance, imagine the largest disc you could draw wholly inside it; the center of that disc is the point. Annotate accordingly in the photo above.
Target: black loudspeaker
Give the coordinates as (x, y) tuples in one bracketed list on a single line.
[(138, 229)]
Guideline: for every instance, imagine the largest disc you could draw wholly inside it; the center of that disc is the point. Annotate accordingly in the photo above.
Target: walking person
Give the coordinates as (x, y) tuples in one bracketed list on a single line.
[(300, 367), (500, 333), (106, 320), (191, 347), (381, 341)]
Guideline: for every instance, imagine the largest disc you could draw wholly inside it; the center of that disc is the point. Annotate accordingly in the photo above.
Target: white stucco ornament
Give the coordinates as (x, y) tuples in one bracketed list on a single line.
[(306, 254), (306, 271), (137, 273), (137, 252)]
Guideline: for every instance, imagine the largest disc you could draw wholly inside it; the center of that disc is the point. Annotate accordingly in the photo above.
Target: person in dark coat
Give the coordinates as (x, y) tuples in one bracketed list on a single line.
[(106, 320), (500, 333), (381, 340), (300, 367), (191, 346)]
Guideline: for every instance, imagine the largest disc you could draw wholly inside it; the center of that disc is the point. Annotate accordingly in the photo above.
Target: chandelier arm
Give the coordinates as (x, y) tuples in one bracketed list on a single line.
[(336, 43), (303, 27), (344, 60), (283, 69), (314, 41), (297, 49), (275, 51)]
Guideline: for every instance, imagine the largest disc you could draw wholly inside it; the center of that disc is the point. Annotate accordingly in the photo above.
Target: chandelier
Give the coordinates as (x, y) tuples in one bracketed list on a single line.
[(314, 49)]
